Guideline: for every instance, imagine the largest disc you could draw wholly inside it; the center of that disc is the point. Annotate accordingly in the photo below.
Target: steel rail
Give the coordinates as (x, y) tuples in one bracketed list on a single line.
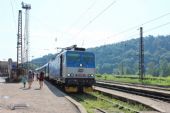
[(135, 91)]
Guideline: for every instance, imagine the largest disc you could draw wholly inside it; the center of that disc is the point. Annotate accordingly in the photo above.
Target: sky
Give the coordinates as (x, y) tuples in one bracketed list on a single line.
[(87, 23)]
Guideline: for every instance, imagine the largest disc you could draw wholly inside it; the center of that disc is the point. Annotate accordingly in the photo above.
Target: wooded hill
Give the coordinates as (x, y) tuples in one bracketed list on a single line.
[(123, 58)]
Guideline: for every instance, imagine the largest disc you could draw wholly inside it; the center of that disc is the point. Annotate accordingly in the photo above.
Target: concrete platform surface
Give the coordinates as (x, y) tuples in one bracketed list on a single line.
[(34, 100)]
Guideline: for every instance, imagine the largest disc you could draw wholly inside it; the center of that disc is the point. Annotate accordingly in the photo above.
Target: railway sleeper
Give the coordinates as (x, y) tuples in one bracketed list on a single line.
[(119, 105), (125, 100)]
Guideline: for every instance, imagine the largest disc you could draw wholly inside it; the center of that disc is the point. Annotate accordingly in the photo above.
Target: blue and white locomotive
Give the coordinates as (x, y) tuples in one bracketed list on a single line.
[(74, 68)]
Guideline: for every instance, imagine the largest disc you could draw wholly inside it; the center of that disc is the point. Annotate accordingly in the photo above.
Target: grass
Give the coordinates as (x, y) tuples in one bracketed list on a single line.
[(138, 107), (148, 80), (90, 103)]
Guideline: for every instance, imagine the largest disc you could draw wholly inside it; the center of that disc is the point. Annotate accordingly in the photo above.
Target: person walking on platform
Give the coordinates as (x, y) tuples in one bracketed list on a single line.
[(30, 78), (41, 79), (33, 75), (37, 76), (24, 80), (23, 77)]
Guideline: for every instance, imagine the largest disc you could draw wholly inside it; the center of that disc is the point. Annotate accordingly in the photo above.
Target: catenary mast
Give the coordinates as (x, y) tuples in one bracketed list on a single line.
[(19, 40), (25, 52)]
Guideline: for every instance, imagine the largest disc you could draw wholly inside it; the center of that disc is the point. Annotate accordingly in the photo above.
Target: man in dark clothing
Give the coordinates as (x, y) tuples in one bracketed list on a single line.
[(41, 79)]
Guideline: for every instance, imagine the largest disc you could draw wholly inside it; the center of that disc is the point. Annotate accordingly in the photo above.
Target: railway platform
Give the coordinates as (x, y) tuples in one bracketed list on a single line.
[(16, 99), (157, 105)]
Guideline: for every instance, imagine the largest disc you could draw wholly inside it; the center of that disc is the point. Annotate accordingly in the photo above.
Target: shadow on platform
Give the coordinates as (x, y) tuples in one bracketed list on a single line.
[(54, 90)]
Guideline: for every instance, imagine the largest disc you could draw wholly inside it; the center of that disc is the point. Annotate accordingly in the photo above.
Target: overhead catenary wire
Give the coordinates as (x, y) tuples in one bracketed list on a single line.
[(97, 16), (148, 21), (135, 27), (159, 26), (136, 35), (151, 29), (93, 19), (12, 8), (81, 15), (91, 6), (75, 22)]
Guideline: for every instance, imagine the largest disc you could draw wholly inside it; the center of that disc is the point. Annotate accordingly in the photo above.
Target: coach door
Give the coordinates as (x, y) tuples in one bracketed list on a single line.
[(61, 65)]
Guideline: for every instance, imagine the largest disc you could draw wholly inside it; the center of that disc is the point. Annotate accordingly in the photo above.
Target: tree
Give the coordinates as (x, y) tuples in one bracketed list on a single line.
[(150, 68), (163, 67)]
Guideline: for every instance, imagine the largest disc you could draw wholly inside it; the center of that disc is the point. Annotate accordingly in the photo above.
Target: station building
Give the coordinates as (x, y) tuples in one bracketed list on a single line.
[(4, 68)]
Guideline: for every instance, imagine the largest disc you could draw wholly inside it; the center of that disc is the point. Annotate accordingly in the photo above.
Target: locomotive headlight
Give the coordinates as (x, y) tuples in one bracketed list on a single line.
[(81, 65), (68, 75), (90, 75)]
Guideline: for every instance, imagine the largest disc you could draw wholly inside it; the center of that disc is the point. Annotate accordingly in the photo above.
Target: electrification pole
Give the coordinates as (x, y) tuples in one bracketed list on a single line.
[(27, 7), (122, 70), (141, 55), (19, 40)]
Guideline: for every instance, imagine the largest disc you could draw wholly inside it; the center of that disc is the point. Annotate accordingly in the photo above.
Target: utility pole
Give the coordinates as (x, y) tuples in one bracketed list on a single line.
[(27, 7), (141, 55), (19, 40)]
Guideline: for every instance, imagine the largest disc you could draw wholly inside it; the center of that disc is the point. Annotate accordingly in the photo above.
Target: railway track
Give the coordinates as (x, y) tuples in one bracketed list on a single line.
[(81, 97), (138, 91), (95, 109), (113, 104), (158, 87), (77, 98)]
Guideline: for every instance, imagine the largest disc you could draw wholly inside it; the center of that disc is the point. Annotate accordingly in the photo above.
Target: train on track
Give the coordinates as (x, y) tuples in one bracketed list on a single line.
[(73, 68)]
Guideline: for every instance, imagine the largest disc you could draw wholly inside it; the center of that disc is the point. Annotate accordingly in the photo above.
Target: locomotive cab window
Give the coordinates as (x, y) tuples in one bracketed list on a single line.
[(88, 60), (73, 57), (87, 57)]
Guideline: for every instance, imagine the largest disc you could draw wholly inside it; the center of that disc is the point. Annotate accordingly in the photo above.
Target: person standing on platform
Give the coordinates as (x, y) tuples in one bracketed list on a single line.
[(30, 78), (23, 77), (41, 79)]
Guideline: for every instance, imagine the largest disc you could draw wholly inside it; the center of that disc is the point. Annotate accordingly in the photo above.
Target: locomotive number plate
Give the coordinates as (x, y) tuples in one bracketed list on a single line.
[(80, 70)]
